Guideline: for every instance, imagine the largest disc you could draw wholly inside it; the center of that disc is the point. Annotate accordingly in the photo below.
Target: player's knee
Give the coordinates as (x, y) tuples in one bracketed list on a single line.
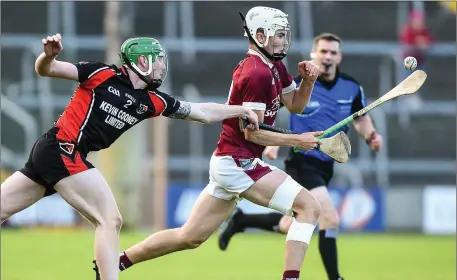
[(116, 221), (329, 220), (290, 198), (307, 205), (111, 221), (285, 195), (284, 224)]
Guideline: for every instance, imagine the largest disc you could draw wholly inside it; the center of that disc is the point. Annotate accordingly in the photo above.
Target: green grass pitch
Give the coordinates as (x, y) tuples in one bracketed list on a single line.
[(60, 254)]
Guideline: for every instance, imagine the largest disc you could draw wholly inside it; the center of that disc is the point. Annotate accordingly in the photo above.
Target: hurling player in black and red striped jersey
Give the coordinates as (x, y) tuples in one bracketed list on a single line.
[(108, 101)]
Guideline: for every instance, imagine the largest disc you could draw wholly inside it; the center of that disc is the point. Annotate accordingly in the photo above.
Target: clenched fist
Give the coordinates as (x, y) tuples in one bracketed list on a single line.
[(271, 152), (52, 45), (253, 120), (308, 71), (375, 141)]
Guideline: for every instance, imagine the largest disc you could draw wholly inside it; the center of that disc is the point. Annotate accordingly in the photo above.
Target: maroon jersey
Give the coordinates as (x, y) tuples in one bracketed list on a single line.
[(258, 85), (105, 105)]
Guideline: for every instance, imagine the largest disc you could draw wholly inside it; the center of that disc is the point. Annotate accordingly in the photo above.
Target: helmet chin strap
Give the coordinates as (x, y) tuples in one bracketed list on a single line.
[(274, 57), (152, 85)]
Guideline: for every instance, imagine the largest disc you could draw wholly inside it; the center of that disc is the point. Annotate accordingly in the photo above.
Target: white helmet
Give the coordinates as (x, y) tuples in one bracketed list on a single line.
[(273, 22)]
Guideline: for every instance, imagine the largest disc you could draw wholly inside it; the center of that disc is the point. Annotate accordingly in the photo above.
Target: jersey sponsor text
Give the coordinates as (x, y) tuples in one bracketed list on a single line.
[(117, 118)]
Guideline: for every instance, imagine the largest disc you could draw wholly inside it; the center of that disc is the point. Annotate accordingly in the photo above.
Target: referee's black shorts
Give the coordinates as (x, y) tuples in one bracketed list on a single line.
[(308, 171)]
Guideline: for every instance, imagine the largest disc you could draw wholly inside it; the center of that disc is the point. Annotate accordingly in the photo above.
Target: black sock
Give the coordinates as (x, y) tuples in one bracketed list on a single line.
[(327, 247), (268, 221)]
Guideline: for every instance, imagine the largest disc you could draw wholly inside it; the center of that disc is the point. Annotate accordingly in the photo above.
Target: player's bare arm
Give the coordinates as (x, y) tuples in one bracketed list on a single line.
[(46, 64), (365, 128), (214, 112), (297, 100), (306, 141)]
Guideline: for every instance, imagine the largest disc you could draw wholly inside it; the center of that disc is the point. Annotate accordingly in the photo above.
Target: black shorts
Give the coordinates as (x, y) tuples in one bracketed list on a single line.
[(52, 160), (308, 171)]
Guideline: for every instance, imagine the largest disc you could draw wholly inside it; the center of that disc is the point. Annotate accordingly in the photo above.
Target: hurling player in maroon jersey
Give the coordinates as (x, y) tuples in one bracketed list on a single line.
[(108, 101), (259, 82)]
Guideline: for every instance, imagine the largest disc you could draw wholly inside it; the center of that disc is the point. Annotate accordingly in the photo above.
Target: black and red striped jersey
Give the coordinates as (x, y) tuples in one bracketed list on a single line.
[(105, 105)]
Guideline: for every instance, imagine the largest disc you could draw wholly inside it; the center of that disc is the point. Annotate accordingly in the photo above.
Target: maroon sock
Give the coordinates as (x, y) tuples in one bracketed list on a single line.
[(124, 262), (291, 275)]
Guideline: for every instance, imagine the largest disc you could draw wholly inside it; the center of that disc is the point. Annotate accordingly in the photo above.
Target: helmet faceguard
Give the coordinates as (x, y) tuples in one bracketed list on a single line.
[(157, 61), (273, 23)]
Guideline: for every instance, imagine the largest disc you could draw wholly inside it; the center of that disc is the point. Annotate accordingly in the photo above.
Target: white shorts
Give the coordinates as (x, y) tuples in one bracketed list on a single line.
[(230, 176)]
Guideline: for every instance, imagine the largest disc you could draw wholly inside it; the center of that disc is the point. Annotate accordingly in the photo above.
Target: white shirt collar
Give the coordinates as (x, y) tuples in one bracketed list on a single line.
[(253, 52)]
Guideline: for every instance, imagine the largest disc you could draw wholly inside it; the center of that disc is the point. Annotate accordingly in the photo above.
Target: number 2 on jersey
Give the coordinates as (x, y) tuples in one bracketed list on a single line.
[(129, 102)]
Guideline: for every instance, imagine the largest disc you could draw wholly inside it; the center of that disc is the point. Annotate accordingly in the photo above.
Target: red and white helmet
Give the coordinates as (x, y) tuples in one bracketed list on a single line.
[(274, 23)]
